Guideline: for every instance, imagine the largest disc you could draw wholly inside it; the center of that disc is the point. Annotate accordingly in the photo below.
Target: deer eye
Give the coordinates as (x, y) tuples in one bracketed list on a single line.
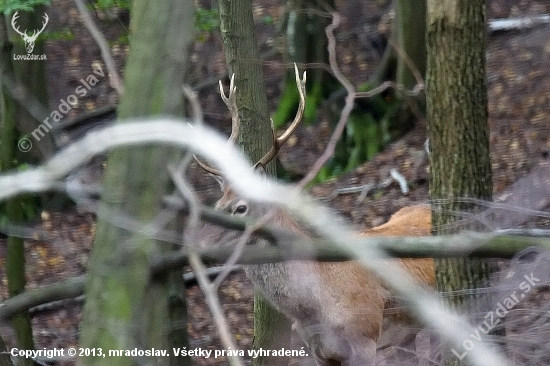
[(241, 209)]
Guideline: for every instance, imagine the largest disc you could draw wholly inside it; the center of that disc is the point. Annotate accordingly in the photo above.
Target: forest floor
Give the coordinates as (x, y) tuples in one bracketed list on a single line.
[(519, 116)]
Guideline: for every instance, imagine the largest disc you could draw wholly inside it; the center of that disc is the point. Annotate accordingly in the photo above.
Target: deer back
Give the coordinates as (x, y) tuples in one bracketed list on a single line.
[(413, 220)]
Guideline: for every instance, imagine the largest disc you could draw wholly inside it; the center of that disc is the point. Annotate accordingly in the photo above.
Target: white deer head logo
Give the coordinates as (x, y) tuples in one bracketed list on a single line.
[(29, 40)]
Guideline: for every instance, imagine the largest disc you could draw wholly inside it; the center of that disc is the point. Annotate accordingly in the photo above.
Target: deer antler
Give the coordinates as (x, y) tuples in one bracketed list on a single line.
[(14, 26), (44, 23), (280, 141), (230, 102)]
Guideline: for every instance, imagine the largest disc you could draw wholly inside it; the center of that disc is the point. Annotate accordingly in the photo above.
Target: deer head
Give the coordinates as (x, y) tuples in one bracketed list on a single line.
[(29, 40), (230, 202)]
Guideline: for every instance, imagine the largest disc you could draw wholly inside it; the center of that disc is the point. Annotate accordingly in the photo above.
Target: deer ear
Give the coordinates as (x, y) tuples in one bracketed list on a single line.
[(220, 180)]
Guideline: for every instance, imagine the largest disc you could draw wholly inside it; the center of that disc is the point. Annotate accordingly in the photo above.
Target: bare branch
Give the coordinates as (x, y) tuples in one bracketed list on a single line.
[(348, 107), (239, 247), (67, 289), (114, 78), (351, 95), (215, 308), (416, 73), (196, 109)]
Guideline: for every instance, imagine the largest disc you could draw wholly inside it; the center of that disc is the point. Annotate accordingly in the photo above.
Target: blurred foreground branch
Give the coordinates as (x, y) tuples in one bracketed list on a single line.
[(233, 165)]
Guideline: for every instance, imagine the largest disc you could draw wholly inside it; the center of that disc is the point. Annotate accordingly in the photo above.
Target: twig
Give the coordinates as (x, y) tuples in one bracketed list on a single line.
[(114, 78), (190, 278), (416, 73), (352, 94), (54, 295), (208, 288), (348, 107), (67, 289), (496, 25), (366, 188), (399, 178), (239, 247), (215, 308), (196, 109)]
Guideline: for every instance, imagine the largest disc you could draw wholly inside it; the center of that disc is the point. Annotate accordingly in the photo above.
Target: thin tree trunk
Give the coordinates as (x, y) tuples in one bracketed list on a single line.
[(13, 208), (271, 328), (306, 44)]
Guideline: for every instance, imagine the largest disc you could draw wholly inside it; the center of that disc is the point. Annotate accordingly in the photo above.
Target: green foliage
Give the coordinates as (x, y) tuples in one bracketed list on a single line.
[(124, 38), (64, 34), (366, 134), (313, 100), (108, 4), (29, 204), (10, 6), (206, 21), (367, 130), (288, 104), (113, 5), (268, 20)]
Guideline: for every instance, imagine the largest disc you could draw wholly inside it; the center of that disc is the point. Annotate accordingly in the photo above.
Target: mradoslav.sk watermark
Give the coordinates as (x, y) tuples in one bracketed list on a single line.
[(29, 39), (502, 308), (64, 107)]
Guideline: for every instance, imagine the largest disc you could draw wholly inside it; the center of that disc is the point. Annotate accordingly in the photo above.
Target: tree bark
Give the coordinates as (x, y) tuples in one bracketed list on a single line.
[(410, 31), (460, 164), (13, 208), (306, 44), (126, 306), (271, 328)]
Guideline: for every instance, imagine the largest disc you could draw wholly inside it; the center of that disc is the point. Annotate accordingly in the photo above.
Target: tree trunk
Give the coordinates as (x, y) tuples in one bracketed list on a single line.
[(460, 163), (408, 35), (125, 307), (411, 29), (306, 44), (271, 328), (13, 208)]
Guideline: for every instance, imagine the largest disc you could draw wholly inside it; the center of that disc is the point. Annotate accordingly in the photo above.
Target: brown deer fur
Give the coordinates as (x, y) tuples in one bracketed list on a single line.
[(337, 307)]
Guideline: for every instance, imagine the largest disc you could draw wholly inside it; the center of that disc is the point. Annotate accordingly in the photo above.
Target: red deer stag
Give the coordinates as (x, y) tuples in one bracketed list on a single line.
[(338, 308)]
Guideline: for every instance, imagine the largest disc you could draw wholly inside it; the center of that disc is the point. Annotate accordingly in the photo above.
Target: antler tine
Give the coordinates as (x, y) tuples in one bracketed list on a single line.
[(45, 22), (279, 141), (13, 23), (231, 103), (206, 167)]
